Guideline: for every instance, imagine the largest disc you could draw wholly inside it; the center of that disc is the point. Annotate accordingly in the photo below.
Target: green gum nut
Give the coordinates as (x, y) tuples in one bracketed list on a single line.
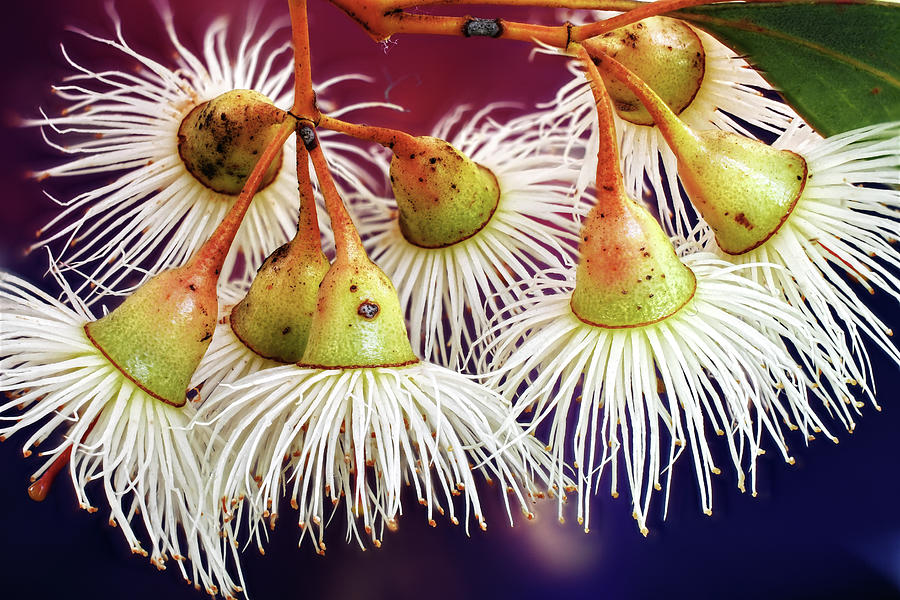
[(629, 274), (744, 188), (443, 196), (221, 140), (274, 317), (664, 52), (358, 321), (158, 335)]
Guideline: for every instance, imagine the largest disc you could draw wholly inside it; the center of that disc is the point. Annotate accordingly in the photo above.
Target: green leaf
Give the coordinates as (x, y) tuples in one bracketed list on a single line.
[(836, 63)]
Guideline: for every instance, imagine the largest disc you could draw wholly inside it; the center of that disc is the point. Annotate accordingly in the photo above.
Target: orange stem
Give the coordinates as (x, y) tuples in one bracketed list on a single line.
[(404, 22), (307, 222), (609, 171), (304, 96), (348, 245), (38, 490), (617, 5), (383, 18), (210, 257), (396, 140), (40, 487)]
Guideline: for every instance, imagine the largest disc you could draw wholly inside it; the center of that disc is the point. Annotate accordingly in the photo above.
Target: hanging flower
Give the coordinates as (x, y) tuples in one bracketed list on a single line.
[(453, 287), (713, 87), (844, 223), (644, 394), (748, 193), (358, 416), (139, 448), (163, 201), (642, 344)]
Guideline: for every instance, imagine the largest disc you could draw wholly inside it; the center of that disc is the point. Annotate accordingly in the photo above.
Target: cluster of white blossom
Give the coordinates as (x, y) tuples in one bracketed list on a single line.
[(523, 362)]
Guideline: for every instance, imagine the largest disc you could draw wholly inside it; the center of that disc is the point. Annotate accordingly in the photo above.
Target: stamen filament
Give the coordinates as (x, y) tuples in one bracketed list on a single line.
[(38, 490)]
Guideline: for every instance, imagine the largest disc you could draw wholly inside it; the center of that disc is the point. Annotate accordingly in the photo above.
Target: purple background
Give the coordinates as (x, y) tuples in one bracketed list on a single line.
[(827, 527)]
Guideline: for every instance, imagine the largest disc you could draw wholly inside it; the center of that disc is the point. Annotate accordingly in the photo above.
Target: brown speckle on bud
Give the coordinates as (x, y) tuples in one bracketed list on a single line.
[(368, 310)]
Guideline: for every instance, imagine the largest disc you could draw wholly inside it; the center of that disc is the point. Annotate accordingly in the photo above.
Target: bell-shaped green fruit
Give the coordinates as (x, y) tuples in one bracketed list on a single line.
[(158, 335), (629, 274), (220, 140), (358, 321), (744, 189), (664, 52), (443, 196), (274, 317)]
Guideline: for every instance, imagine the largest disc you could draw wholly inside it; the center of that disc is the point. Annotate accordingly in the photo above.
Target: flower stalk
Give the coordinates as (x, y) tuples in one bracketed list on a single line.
[(210, 258), (304, 97), (383, 19), (347, 242)]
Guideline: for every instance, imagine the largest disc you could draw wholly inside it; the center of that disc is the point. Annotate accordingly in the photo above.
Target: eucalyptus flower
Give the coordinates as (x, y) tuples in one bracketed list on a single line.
[(842, 224), (357, 417), (116, 436), (453, 261), (642, 394), (153, 128)]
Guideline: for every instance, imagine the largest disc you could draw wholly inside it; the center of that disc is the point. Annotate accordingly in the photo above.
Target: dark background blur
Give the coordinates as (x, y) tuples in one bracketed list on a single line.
[(827, 527)]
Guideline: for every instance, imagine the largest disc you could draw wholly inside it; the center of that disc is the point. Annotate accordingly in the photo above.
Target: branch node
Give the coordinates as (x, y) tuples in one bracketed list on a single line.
[(475, 27)]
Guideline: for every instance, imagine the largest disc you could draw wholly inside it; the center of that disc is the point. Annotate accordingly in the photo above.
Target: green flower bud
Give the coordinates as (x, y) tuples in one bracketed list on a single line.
[(221, 140), (629, 274), (274, 317), (158, 335), (666, 53), (358, 320), (443, 196), (744, 189)]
